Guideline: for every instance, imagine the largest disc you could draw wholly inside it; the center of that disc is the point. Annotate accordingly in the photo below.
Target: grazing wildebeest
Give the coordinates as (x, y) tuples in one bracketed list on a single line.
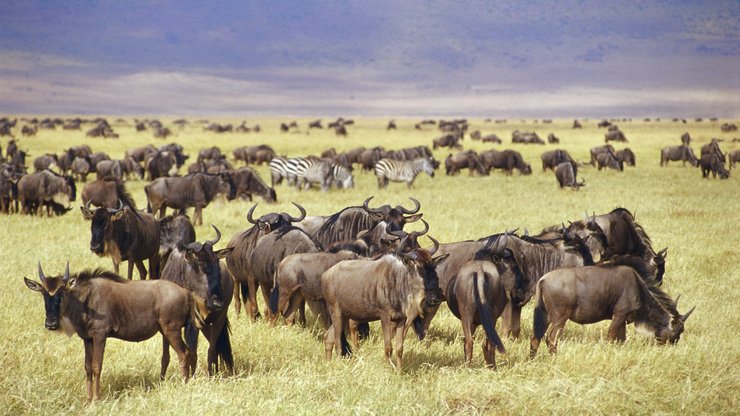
[(402, 170), (140, 154), (466, 159), (683, 153), (526, 137), (478, 294), (712, 162), (197, 268), (125, 234), (43, 188), (97, 305), (609, 160), (395, 289), (239, 261), (247, 182), (552, 139), (212, 152), (175, 231), (106, 193), (507, 160), (109, 169), (491, 138), (552, 158), (713, 148), (196, 190), (614, 134), (577, 124), (451, 140), (619, 289), (566, 173), (391, 125), (595, 151)]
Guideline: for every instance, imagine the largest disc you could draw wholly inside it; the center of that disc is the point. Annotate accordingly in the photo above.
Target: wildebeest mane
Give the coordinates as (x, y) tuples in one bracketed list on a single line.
[(631, 261), (98, 273), (330, 231), (125, 196), (282, 231)]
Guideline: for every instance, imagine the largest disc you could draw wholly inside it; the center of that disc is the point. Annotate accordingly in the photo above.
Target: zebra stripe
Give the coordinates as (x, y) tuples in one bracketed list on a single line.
[(401, 170), (278, 170)]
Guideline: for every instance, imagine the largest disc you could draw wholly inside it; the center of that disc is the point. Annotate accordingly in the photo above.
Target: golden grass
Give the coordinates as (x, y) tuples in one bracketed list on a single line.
[(282, 371)]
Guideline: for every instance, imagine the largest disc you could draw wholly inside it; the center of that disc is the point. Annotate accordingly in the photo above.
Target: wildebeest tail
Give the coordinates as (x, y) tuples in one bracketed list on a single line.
[(198, 311), (346, 349), (484, 310), (274, 296), (540, 316), (223, 346)]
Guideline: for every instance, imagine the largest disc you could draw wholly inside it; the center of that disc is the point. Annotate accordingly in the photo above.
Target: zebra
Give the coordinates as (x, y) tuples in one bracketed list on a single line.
[(324, 172), (401, 170), (278, 170)]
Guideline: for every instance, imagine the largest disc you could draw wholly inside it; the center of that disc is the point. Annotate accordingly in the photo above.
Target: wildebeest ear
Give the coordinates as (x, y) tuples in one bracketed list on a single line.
[(224, 252), (438, 260), (117, 215), (86, 213), (71, 282), (35, 286), (415, 217), (191, 257)]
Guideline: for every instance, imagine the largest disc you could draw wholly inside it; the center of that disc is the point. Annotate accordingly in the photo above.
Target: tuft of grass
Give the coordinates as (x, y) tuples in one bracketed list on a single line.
[(282, 369)]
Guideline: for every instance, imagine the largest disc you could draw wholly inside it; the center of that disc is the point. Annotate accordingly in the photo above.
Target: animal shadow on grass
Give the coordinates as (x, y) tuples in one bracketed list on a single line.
[(120, 384)]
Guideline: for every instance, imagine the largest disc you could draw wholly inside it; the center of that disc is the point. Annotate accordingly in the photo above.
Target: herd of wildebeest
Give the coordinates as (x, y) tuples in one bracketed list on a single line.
[(351, 267)]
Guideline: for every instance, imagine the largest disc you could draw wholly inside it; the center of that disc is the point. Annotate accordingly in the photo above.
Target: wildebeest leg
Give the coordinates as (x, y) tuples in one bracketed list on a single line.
[(266, 298), (88, 367), (388, 328), (617, 328), (401, 329), (237, 297), (130, 264), (556, 328), (154, 266), (98, 349), (293, 303), (198, 215), (140, 267), (354, 333), (252, 286), (173, 336), (115, 266), (489, 354), (329, 341), (468, 334), (302, 313), (512, 320), (165, 357)]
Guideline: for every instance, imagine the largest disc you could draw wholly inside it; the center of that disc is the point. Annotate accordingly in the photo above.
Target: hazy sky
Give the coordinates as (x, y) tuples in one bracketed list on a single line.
[(376, 58)]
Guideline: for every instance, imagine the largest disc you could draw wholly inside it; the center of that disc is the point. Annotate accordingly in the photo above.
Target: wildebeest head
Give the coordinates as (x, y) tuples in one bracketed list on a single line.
[(659, 262), (203, 259), (273, 221), (227, 186), (677, 323), (508, 269), (426, 265), (396, 217), (102, 223), (52, 288)]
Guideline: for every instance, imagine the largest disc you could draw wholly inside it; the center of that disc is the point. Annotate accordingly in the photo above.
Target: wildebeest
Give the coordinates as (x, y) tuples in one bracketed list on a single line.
[(451, 140), (626, 156), (614, 134), (125, 234), (478, 294), (161, 163), (508, 160), (109, 169), (395, 289), (577, 124), (254, 154), (80, 168), (712, 162), (595, 151), (140, 154), (97, 305), (713, 148), (45, 188), (491, 138), (619, 290), (106, 193), (683, 153), (402, 170), (175, 231), (609, 160), (47, 161), (247, 182), (197, 268), (552, 139), (566, 173), (466, 159), (526, 137), (686, 139), (196, 190), (733, 157), (239, 261), (552, 158), (212, 152)]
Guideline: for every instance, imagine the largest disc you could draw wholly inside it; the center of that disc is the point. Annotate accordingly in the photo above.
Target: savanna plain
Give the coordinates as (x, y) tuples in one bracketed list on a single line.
[(282, 370)]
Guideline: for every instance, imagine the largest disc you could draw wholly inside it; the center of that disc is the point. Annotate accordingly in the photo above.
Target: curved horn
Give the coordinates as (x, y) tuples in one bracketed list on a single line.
[(249, 214), (120, 207), (501, 245), (367, 207), (436, 246), (663, 252), (303, 214), (414, 211), (87, 205), (675, 302), (399, 249), (215, 240), (66, 272), (418, 233), (397, 233), (684, 317), (41, 274)]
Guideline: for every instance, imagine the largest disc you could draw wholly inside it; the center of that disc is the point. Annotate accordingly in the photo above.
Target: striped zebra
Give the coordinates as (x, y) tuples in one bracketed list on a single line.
[(278, 170), (401, 170), (323, 172)]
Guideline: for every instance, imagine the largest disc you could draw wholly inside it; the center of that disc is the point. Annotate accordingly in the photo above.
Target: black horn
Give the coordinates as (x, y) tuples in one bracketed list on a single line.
[(414, 211), (120, 207), (41, 274), (415, 234), (249, 214), (367, 207), (685, 316), (66, 272), (435, 247), (215, 240), (303, 214)]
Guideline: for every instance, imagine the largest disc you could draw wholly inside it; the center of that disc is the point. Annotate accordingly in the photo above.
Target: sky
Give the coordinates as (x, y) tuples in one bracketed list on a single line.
[(374, 58)]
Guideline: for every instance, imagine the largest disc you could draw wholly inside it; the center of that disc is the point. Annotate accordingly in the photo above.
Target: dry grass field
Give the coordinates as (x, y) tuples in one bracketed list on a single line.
[(282, 370)]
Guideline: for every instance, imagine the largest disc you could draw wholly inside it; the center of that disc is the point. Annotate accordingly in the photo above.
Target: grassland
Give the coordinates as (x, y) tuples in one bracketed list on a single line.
[(282, 371)]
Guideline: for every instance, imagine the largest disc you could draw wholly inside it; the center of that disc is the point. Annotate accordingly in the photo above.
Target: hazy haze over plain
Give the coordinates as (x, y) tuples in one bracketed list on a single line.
[(377, 58)]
